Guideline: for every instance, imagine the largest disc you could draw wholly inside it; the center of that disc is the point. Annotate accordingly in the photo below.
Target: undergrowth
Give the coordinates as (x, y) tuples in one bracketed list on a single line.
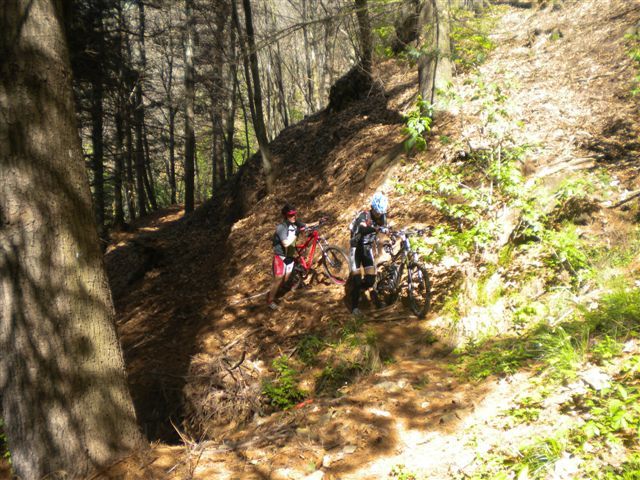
[(282, 391)]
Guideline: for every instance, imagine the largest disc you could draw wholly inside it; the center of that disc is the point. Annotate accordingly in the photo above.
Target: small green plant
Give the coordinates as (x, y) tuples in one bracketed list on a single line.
[(400, 473), (527, 411), (633, 45), (417, 125), (333, 378), (283, 391), (605, 349), (629, 470), (4, 447), (308, 348), (537, 459), (565, 251), (617, 313)]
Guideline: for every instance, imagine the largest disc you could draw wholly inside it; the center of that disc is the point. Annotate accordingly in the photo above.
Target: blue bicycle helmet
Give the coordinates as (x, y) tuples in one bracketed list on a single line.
[(379, 203)]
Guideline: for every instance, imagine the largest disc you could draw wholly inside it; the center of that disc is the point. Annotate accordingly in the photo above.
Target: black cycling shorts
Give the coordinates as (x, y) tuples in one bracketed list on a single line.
[(362, 256)]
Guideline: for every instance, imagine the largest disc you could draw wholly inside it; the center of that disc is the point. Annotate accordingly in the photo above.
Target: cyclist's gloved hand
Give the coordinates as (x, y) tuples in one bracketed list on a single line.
[(383, 229)]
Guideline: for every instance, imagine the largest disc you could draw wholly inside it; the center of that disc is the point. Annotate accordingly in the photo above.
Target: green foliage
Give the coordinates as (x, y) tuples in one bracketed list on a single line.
[(334, 377), (4, 447), (565, 251), (417, 125), (574, 187), (618, 255), (537, 459), (400, 472), (309, 347), (383, 36), (617, 314), (527, 411), (283, 391), (605, 348), (470, 39), (629, 470), (633, 46)]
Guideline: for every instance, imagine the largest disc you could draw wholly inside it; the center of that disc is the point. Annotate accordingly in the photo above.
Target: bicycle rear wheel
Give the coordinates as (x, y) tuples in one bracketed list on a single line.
[(336, 264), (418, 289)]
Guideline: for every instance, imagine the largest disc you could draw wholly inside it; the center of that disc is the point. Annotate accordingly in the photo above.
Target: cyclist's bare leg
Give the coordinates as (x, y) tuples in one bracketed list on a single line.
[(275, 286)]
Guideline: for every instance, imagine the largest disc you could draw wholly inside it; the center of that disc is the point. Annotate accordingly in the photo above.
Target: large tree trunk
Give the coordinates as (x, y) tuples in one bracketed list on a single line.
[(434, 65), (189, 100), (65, 402), (366, 41), (258, 117)]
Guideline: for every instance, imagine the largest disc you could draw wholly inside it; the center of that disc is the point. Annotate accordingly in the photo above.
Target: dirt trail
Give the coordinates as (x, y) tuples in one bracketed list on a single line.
[(570, 80)]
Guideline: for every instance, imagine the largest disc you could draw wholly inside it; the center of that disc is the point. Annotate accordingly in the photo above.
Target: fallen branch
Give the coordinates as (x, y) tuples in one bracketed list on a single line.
[(628, 199)]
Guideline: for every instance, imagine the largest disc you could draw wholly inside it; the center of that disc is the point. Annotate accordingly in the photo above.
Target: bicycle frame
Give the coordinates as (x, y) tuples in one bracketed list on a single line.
[(401, 258), (312, 239)]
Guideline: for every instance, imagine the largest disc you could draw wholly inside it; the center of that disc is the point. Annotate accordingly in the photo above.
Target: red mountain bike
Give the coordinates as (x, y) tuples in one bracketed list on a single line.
[(334, 260)]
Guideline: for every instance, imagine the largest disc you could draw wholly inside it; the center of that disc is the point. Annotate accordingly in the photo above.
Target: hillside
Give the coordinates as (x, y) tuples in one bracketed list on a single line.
[(393, 395)]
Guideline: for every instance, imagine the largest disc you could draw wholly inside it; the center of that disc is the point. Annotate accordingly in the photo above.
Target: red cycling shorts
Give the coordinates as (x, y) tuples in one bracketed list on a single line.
[(282, 265)]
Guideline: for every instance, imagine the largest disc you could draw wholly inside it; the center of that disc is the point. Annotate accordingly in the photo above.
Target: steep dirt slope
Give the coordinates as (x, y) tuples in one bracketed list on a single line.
[(188, 291)]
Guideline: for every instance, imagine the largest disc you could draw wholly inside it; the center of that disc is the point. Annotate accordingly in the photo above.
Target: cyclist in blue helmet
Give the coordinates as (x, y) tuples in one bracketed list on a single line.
[(364, 230)]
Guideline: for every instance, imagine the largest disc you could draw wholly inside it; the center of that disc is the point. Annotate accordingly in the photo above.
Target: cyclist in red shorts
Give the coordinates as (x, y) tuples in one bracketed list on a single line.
[(284, 241)]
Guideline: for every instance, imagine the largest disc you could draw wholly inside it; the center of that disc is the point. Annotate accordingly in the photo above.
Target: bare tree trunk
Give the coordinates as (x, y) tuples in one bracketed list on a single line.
[(119, 168), (307, 57), (148, 173), (172, 155), (130, 182), (258, 119), (97, 163), (65, 403), (232, 102), (366, 42), (125, 49), (189, 100), (434, 66), (139, 118)]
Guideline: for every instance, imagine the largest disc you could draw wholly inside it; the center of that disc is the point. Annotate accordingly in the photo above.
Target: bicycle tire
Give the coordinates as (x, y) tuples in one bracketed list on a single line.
[(386, 288), (336, 265), (418, 289)]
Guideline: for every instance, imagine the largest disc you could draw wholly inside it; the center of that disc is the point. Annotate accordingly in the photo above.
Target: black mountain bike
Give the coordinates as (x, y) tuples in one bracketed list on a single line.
[(404, 275)]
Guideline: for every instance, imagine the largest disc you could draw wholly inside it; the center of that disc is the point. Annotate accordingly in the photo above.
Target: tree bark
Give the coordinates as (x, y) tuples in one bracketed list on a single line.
[(366, 42), (148, 173), (172, 155), (232, 103), (308, 61), (139, 161), (189, 100), (434, 65), (258, 118), (118, 220), (65, 402)]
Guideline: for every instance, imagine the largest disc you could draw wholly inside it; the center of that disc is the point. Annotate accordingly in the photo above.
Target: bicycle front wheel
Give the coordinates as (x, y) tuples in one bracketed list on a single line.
[(336, 264), (418, 289)]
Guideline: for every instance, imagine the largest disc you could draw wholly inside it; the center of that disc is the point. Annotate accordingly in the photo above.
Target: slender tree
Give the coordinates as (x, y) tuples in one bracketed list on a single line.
[(434, 64), (189, 101), (258, 115), (65, 403)]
